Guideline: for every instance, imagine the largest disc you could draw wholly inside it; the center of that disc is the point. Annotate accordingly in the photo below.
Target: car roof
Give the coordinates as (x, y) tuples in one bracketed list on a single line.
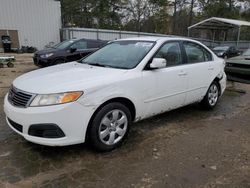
[(149, 38), (223, 46), (155, 39), (94, 40)]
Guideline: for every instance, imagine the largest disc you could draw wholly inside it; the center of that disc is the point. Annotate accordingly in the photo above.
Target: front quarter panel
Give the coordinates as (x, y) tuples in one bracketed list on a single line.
[(125, 87)]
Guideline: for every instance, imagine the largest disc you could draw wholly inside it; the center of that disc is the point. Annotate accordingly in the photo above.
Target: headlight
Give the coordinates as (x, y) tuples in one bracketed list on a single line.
[(46, 55), (53, 99)]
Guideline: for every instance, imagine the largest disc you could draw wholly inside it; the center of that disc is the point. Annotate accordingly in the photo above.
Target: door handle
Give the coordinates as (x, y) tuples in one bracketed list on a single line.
[(210, 68), (182, 74)]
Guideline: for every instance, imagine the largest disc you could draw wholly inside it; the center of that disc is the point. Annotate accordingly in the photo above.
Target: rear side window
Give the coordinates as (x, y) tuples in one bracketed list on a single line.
[(94, 44), (232, 49), (196, 53)]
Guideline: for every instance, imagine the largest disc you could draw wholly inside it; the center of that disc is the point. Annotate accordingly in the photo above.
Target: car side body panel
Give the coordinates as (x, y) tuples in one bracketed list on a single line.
[(151, 91)]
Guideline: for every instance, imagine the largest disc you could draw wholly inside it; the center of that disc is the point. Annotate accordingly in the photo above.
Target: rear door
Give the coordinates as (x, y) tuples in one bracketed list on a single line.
[(199, 67), (165, 88)]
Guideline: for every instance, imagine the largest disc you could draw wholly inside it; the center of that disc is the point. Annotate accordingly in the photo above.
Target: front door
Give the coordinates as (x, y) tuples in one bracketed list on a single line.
[(165, 88)]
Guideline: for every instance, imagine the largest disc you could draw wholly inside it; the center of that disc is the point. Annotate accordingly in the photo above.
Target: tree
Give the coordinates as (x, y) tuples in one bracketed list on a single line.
[(92, 13), (219, 8), (191, 12), (146, 14)]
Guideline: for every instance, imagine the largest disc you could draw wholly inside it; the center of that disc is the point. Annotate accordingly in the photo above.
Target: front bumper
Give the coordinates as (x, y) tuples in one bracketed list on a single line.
[(42, 62), (237, 70), (238, 74), (71, 118)]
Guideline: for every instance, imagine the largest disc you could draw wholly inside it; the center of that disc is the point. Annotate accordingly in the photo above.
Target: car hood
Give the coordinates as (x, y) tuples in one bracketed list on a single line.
[(239, 60), (47, 51), (218, 51), (67, 77)]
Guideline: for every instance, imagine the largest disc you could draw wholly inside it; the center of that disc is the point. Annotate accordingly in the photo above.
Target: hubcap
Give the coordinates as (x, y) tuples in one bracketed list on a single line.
[(113, 127), (213, 94)]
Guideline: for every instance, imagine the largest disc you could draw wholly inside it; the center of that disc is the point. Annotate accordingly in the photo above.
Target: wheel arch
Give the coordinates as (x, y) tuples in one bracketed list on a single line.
[(125, 101), (217, 80)]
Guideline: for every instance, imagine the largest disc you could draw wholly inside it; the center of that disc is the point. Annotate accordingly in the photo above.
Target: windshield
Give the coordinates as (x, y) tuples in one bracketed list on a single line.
[(221, 48), (120, 54), (63, 44), (246, 53)]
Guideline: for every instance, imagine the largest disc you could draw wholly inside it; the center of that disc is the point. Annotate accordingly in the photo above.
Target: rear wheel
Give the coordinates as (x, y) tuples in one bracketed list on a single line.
[(212, 96), (1, 65), (110, 126)]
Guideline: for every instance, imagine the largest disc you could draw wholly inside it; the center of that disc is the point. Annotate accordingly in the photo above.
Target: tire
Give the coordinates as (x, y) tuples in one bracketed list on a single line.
[(212, 96), (1, 65), (10, 65), (112, 122)]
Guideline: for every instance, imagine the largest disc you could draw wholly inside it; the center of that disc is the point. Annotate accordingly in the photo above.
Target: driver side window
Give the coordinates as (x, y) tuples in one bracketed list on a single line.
[(80, 45), (171, 52)]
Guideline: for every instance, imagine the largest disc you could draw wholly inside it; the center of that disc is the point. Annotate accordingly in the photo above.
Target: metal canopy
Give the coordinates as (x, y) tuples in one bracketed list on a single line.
[(216, 23)]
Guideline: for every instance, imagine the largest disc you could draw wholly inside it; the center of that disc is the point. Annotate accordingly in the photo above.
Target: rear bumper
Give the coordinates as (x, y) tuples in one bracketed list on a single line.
[(223, 83)]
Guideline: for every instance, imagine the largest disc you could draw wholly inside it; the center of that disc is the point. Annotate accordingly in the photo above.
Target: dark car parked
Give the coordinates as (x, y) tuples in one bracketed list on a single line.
[(238, 68), (66, 51), (226, 51)]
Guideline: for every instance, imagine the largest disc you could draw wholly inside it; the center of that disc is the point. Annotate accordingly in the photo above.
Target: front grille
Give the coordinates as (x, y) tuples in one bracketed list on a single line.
[(238, 65), (19, 98), (16, 126)]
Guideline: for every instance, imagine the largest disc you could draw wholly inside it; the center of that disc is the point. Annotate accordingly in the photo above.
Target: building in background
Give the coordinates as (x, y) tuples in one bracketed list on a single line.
[(30, 22)]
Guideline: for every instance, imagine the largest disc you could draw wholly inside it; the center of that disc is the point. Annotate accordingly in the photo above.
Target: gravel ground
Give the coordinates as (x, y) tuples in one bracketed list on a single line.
[(188, 147)]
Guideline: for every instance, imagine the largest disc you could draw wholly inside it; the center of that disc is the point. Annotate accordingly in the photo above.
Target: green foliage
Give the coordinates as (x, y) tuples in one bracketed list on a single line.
[(92, 13), (224, 9)]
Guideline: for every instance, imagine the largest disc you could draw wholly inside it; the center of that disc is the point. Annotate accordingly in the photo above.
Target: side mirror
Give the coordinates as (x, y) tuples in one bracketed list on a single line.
[(72, 50), (158, 63)]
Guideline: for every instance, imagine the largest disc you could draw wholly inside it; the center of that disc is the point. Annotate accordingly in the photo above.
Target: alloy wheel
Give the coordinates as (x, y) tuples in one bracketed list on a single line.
[(213, 94), (113, 127)]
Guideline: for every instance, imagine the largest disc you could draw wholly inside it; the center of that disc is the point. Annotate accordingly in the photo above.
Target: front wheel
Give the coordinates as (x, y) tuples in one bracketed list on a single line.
[(110, 126), (212, 96)]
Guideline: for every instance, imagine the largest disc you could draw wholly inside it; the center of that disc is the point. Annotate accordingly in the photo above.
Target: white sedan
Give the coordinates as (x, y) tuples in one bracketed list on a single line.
[(98, 97)]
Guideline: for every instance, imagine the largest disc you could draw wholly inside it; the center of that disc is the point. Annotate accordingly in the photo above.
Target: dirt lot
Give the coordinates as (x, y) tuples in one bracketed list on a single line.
[(188, 147)]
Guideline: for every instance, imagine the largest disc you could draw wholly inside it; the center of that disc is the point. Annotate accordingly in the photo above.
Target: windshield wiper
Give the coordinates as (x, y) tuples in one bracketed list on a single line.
[(95, 64), (101, 65)]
